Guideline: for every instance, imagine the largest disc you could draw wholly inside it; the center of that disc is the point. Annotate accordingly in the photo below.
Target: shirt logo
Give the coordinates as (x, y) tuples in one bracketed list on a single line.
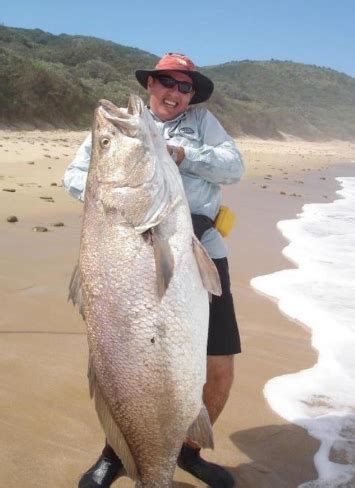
[(186, 130)]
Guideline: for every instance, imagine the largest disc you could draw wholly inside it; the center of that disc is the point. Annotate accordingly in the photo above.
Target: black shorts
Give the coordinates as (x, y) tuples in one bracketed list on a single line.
[(223, 333)]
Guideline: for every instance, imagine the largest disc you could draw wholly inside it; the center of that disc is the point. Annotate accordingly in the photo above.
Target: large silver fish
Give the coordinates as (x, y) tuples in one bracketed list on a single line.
[(141, 285)]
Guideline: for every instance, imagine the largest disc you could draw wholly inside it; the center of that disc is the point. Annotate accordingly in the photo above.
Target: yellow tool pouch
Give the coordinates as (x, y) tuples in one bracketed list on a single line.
[(225, 221)]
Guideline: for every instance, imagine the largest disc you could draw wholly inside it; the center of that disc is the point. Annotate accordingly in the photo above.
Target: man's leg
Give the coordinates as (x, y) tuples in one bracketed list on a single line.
[(220, 374), (215, 395), (223, 344)]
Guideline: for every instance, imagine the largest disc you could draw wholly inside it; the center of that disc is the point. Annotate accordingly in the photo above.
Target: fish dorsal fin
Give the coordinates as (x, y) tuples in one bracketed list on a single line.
[(164, 261), (208, 271), (201, 430), (113, 434)]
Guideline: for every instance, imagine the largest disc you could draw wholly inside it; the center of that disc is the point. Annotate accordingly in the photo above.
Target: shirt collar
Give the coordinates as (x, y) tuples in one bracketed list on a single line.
[(178, 118)]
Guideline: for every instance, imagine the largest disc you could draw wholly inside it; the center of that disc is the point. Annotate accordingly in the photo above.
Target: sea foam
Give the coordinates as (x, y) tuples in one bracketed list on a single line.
[(320, 293)]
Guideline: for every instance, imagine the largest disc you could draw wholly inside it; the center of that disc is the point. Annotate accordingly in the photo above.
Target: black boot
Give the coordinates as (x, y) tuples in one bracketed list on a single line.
[(104, 472), (213, 475)]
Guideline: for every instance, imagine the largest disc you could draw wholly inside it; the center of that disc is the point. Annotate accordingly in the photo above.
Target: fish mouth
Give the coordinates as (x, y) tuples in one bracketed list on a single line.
[(135, 107), (111, 110), (127, 124)]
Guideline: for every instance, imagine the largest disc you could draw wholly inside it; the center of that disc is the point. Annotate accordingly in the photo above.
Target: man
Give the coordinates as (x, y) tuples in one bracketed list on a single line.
[(207, 157)]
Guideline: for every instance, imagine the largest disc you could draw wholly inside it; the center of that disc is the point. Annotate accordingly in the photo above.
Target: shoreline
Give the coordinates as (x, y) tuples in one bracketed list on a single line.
[(297, 398), (292, 349), (44, 342)]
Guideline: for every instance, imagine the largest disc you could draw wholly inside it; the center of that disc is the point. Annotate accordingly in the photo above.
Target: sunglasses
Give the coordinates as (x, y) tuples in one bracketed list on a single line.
[(168, 82)]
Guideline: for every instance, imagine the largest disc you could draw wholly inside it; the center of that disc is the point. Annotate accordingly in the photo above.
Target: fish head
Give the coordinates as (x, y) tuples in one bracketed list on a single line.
[(131, 170), (120, 150)]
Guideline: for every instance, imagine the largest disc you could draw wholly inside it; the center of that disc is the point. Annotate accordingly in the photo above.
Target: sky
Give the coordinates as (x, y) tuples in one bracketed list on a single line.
[(320, 32)]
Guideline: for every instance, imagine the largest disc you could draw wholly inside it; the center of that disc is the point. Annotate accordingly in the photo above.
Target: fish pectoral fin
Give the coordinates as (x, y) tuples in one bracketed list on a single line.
[(76, 294), (164, 261), (113, 434), (208, 271), (201, 430)]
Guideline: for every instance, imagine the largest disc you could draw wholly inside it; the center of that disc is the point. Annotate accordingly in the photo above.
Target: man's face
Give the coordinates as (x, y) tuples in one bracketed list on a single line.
[(168, 103)]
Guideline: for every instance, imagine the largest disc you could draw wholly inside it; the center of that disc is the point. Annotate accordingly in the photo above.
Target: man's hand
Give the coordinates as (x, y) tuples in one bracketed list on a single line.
[(177, 153)]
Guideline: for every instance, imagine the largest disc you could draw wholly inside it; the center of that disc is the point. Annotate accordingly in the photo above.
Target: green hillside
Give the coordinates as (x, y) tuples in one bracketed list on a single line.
[(55, 81), (268, 97), (48, 80)]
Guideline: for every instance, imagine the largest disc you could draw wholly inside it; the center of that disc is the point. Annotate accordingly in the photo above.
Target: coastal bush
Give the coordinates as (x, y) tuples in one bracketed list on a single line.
[(58, 80)]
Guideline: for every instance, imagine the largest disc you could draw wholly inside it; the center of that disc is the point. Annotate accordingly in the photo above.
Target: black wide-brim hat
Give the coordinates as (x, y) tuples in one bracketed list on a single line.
[(203, 86)]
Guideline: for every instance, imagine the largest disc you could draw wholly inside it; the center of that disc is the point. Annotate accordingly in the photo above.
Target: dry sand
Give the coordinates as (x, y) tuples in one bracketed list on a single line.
[(49, 430)]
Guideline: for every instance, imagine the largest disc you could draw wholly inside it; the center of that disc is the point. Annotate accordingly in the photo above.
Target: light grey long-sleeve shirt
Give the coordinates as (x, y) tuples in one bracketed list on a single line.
[(211, 159)]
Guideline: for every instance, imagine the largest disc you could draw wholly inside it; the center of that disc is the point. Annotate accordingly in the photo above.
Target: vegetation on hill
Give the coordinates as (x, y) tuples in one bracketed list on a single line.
[(55, 81), (268, 97)]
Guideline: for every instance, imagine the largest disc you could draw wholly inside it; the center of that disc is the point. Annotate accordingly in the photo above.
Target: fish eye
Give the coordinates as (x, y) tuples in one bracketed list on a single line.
[(105, 142)]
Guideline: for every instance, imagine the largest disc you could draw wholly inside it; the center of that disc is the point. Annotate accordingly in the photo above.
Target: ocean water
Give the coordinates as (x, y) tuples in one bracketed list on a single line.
[(320, 293)]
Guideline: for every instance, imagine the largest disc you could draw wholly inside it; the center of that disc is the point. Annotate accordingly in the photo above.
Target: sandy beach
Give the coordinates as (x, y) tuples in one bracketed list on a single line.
[(49, 430)]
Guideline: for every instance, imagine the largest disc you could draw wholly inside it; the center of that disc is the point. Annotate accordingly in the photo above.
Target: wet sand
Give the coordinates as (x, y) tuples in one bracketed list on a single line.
[(50, 432)]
